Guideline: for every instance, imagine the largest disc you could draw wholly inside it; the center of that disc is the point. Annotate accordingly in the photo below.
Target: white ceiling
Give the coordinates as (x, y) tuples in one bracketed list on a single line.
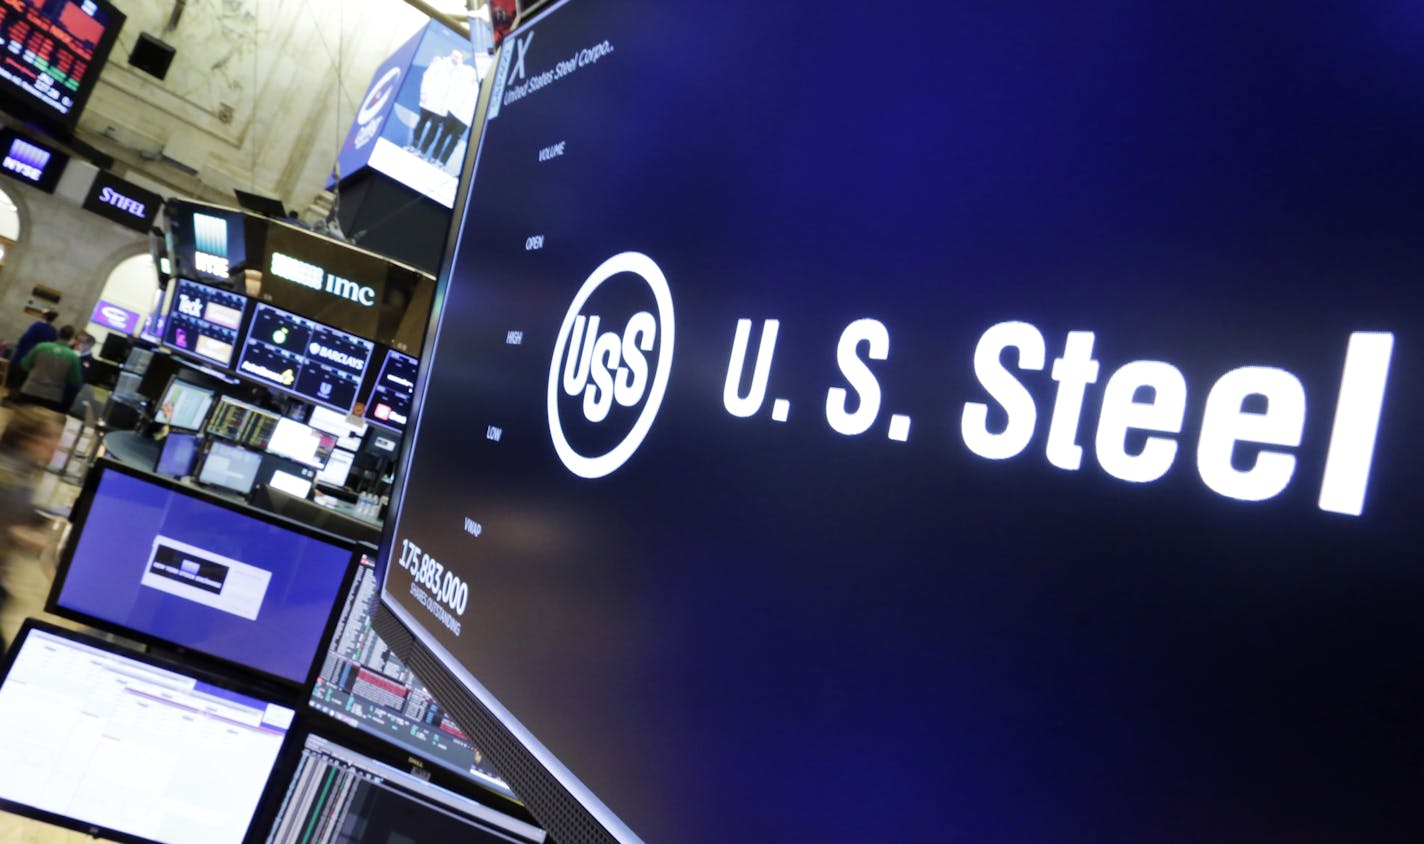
[(259, 96)]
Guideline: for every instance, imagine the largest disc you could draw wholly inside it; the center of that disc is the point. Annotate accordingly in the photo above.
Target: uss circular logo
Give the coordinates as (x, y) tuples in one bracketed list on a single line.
[(611, 365)]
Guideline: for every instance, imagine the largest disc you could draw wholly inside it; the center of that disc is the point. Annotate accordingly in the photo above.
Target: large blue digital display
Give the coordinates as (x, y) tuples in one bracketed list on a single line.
[(169, 565), (985, 422)]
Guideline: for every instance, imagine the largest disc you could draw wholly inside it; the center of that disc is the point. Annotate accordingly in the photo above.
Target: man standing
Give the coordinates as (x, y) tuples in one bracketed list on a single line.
[(426, 137), (52, 369), (40, 331), (464, 94)]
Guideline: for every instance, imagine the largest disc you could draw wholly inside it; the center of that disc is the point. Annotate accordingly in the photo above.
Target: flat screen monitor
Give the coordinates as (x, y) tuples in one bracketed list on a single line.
[(304, 358), (180, 452), (128, 386), (204, 322), (230, 467), (381, 444), (303, 443), (364, 684), (348, 430), (132, 747), (162, 562), (184, 405), (117, 348), (389, 404), (339, 793), (52, 54), (209, 243), (136, 360), (1011, 439), (337, 468), (289, 476), (236, 420)]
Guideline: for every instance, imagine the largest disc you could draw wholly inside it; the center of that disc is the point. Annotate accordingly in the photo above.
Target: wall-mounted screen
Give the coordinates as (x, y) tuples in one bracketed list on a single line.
[(337, 788), (115, 743), (30, 161), (163, 563), (305, 358), (364, 684), (415, 119), (209, 243), (389, 403), (204, 322), (1010, 439), (51, 52)]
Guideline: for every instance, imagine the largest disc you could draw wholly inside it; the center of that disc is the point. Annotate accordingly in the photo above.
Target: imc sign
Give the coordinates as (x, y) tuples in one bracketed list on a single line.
[(113, 317), (126, 204)]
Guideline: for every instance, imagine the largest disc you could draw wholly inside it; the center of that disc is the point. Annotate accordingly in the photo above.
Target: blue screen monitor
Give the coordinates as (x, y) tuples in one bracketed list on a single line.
[(132, 747), (155, 560), (180, 452), (1012, 439)]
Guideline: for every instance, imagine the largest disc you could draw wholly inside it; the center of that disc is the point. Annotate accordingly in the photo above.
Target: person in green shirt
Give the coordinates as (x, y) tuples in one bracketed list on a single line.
[(51, 368)]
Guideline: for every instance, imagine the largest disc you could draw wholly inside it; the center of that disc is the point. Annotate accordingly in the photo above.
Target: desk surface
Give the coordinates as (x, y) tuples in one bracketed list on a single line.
[(133, 448)]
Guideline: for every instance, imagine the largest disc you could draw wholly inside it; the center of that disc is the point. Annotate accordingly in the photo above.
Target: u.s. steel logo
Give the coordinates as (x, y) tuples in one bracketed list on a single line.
[(611, 365)]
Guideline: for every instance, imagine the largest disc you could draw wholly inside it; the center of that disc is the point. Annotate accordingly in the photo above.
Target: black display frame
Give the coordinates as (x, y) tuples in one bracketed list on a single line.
[(23, 104), (261, 820), (311, 722), (241, 330), (293, 690), (241, 351)]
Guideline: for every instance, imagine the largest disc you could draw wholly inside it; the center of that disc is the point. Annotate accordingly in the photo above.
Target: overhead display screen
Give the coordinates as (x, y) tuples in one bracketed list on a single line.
[(53, 51), (389, 403), (31, 162), (204, 321), (305, 358), (1004, 436)]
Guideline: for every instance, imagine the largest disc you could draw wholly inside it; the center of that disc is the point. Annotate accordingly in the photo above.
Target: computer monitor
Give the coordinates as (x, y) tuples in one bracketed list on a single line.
[(230, 467), (305, 358), (184, 405), (137, 359), (180, 452), (303, 443), (239, 421), (348, 430), (381, 444), (337, 469), (391, 395), (129, 746), (339, 793), (364, 684), (289, 476), (203, 322), (155, 560), (116, 347)]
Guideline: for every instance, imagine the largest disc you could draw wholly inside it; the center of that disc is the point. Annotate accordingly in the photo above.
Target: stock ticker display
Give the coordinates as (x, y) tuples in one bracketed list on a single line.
[(365, 685)]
